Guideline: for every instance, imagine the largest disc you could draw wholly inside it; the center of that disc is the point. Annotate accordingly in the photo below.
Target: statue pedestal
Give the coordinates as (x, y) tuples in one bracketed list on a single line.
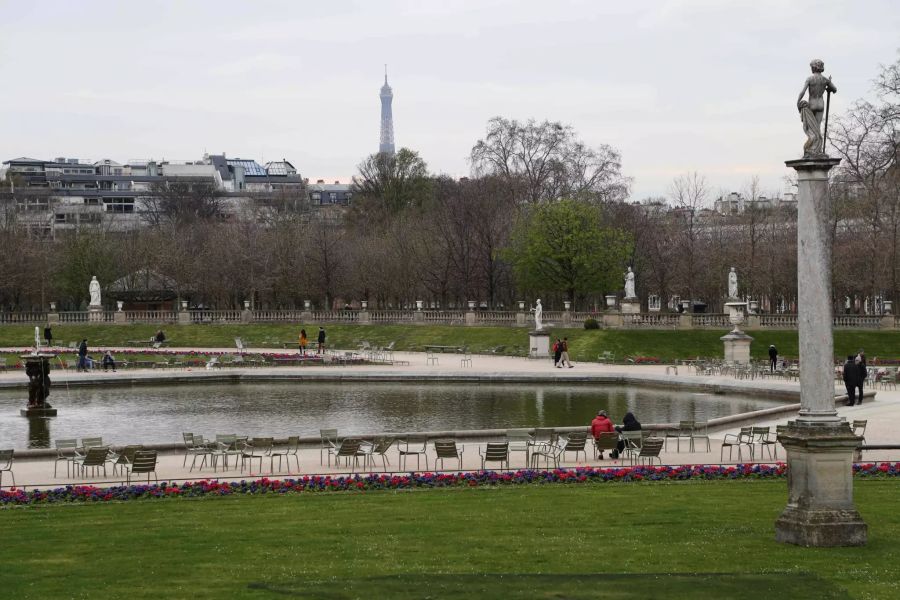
[(37, 412), (95, 314), (820, 510), (631, 306), (539, 344), (737, 347)]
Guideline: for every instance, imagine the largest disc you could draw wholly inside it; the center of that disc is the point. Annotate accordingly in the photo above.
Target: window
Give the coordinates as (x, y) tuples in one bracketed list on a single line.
[(332, 197), (118, 205), (316, 196)]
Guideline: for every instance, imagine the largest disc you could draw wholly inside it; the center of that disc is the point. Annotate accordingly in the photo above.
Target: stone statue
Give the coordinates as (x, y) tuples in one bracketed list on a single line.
[(38, 373), (538, 315), (94, 289), (811, 111), (732, 284), (629, 284)]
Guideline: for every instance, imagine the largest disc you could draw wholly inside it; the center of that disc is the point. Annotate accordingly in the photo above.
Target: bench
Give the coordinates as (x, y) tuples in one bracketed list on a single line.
[(442, 349)]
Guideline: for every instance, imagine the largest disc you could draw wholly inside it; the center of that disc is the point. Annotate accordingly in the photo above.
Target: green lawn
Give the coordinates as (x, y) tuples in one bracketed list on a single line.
[(659, 540), (585, 345)]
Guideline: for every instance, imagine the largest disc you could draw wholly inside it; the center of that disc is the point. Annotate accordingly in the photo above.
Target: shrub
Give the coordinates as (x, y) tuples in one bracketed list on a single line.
[(591, 323)]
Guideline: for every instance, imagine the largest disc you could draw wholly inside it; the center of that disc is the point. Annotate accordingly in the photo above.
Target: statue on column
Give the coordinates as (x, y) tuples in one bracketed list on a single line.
[(629, 284), (94, 289), (732, 284), (812, 110)]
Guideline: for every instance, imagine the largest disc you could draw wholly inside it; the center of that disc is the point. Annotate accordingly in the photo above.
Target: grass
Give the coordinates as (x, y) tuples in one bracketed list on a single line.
[(667, 345), (671, 540)]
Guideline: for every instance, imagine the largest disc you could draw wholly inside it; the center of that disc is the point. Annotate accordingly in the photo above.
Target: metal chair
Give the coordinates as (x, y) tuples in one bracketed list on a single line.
[(519, 440), (144, 462), (6, 460), (634, 441), (700, 431), (66, 450), (575, 442), (495, 452), (447, 449), (762, 437), (329, 439), (379, 446), (94, 459), (649, 451), (549, 452), (859, 429), (348, 448), (431, 358), (257, 449), (607, 440), (125, 458), (413, 445), (466, 360), (737, 440), (292, 449)]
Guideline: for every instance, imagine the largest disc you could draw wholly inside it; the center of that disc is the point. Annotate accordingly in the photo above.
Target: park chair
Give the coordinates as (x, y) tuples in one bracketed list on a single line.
[(379, 446), (634, 441), (549, 452), (543, 435), (144, 462), (519, 440), (329, 443), (495, 452), (6, 460), (649, 451), (94, 459), (859, 429), (575, 442), (685, 431), (607, 440), (762, 437), (700, 431), (291, 449), (413, 445), (466, 360), (66, 450), (257, 449), (226, 446), (91, 442), (606, 357), (347, 449), (195, 446), (126, 457), (737, 440), (447, 449), (431, 358)]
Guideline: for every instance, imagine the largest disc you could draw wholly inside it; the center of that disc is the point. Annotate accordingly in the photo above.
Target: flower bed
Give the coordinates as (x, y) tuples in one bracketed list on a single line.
[(363, 483)]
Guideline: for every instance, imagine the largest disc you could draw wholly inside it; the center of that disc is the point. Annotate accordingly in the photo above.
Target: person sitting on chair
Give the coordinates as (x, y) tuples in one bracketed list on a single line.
[(601, 424), (109, 362), (629, 423)]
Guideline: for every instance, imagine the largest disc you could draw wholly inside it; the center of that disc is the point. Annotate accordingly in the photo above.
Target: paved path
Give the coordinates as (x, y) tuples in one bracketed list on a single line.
[(883, 415)]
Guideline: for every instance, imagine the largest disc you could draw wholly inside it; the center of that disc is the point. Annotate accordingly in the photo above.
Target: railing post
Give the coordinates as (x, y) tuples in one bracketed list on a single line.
[(753, 322), (685, 321), (887, 322), (52, 316)]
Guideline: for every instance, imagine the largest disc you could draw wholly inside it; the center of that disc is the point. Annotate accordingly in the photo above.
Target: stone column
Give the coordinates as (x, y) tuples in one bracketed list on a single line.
[(819, 444)]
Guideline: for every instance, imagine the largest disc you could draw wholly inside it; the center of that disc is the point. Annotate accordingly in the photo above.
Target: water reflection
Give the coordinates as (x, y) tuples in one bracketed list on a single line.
[(160, 413), (38, 432)]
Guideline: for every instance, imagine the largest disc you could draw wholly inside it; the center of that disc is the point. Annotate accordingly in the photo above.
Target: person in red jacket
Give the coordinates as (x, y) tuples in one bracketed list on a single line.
[(601, 424)]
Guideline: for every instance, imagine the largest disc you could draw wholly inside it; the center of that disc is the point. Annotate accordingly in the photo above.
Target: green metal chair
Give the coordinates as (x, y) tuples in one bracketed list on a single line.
[(700, 431), (348, 448), (125, 458), (144, 462), (94, 459), (519, 440), (413, 445), (575, 442), (329, 439), (379, 446), (256, 449), (495, 452), (6, 460), (649, 452), (292, 449), (607, 440), (66, 450), (737, 440), (447, 449)]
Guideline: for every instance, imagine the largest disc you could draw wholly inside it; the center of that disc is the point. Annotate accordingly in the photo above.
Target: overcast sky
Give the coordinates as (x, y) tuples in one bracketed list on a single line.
[(676, 85)]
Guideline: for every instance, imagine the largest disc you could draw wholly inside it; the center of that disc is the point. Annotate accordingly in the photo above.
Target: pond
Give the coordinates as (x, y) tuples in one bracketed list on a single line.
[(158, 414)]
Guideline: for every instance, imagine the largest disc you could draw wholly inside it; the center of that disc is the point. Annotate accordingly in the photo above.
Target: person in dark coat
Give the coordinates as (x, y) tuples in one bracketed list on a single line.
[(557, 353), (48, 335), (773, 357), (82, 356), (629, 423), (863, 373), (321, 339), (851, 374)]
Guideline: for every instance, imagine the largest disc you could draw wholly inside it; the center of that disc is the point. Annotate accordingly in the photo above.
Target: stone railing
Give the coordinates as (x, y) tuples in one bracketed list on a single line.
[(551, 318)]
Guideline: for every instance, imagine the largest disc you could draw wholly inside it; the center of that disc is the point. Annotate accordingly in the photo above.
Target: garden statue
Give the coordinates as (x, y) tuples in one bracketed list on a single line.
[(732, 284), (811, 111), (629, 284), (38, 373), (538, 314), (94, 289)]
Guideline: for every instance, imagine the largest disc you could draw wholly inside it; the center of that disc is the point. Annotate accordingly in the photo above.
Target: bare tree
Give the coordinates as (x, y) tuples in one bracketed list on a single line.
[(689, 194)]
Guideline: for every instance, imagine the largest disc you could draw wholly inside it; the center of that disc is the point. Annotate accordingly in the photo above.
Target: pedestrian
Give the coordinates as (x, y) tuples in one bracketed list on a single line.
[(160, 337), (601, 424), (863, 373), (48, 335), (564, 357), (557, 353), (303, 341), (773, 357), (81, 365), (321, 348), (109, 362), (851, 375)]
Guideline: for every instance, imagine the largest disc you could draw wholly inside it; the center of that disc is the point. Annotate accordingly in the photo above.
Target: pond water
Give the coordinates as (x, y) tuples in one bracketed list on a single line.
[(158, 414)]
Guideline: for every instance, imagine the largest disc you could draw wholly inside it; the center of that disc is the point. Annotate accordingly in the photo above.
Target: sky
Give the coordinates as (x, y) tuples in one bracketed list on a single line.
[(675, 85)]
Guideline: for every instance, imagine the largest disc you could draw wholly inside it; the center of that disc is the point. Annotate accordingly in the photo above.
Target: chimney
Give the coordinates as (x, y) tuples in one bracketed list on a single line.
[(336, 182), (320, 181)]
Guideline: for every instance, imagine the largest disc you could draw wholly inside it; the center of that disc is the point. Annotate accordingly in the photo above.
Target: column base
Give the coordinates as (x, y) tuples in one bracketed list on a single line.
[(821, 528), (539, 344)]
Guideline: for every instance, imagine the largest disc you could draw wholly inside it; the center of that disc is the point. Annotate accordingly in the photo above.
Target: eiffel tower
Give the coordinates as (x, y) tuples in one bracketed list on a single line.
[(387, 118)]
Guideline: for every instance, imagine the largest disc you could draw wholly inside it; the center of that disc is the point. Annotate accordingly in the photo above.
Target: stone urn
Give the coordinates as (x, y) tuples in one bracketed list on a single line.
[(419, 304), (119, 305), (364, 304), (471, 305), (568, 305)]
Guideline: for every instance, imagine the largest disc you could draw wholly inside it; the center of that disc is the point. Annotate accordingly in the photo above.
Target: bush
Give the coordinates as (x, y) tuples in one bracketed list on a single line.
[(591, 324)]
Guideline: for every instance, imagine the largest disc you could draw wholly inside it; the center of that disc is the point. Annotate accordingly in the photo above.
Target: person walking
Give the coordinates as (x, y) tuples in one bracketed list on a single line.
[(321, 347), (48, 335), (81, 365), (851, 374), (557, 353), (304, 341), (564, 357), (773, 357), (863, 373)]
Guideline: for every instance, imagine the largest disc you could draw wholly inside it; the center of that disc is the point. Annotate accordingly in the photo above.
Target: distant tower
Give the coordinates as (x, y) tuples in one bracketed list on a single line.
[(387, 118)]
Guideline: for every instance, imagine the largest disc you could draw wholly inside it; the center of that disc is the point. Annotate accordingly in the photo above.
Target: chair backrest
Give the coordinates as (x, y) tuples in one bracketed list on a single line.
[(91, 442), (446, 449), (188, 439), (518, 435), (263, 444), (293, 444), (633, 439), (607, 440), (126, 456), (859, 427), (328, 437), (746, 434), (348, 447), (6, 458), (65, 447), (685, 427), (544, 435), (701, 428), (760, 433), (415, 443), (576, 441), (95, 456), (144, 461), (382, 444), (390, 346), (651, 447), (226, 438), (496, 451)]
